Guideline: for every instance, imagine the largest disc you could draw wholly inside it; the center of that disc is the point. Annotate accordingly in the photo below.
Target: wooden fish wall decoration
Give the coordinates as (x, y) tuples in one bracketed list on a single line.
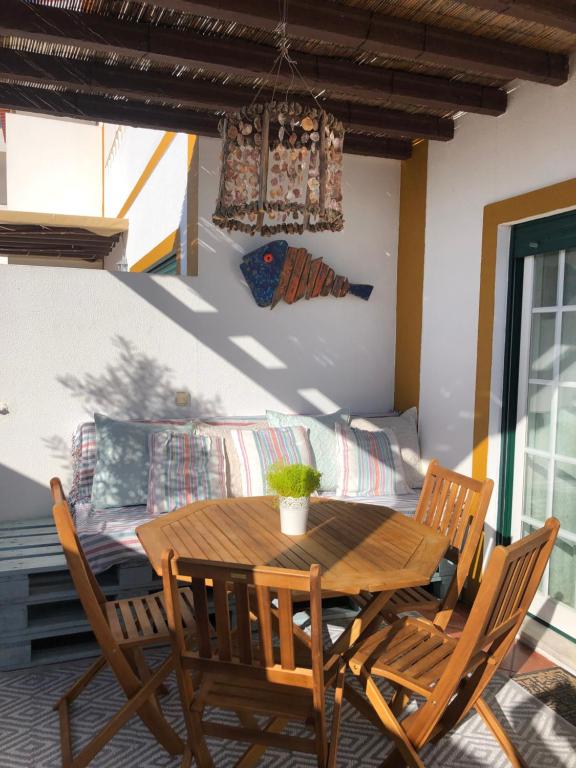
[(275, 271)]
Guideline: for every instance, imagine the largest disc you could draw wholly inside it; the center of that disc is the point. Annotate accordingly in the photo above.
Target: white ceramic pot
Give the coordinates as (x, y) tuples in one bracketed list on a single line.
[(293, 514)]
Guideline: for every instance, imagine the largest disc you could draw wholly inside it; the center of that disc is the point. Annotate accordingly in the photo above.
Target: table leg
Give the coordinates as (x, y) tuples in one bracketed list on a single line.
[(362, 622)]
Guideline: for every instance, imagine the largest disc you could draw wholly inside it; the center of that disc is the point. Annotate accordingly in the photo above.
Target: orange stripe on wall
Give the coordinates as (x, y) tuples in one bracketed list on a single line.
[(410, 278)]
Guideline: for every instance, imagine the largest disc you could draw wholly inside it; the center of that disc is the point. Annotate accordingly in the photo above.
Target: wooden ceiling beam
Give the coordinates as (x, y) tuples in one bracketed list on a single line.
[(34, 253), (386, 35), (120, 111), (101, 79), (242, 58), (560, 14), (55, 241)]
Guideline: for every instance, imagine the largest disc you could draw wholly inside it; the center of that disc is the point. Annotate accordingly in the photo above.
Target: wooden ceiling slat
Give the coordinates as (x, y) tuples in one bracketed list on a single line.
[(238, 57), (98, 78), (78, 105), (382, 34), (550, 13)]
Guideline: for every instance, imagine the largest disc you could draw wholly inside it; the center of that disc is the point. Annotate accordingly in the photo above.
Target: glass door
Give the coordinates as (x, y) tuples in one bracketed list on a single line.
[(545, 455)]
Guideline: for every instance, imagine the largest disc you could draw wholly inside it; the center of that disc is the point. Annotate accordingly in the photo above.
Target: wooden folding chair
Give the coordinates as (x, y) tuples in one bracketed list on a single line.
[(122, 628), (417, 657), (248, 677), (455, 505)]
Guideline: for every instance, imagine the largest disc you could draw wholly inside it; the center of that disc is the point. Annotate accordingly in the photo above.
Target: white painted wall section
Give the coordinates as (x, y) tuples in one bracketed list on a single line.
[(127, 152), (53, 165)]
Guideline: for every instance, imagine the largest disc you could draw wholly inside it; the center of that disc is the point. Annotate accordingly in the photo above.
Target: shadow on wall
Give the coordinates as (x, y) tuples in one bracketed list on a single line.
[(133, 386), (311, 364), (19, 492)]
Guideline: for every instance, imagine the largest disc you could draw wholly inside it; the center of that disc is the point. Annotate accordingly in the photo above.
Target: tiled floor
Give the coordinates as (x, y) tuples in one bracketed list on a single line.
[(520, 659)]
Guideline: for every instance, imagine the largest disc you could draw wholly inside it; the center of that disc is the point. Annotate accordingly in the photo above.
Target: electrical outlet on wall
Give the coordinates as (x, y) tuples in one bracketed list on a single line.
[(182, 398)]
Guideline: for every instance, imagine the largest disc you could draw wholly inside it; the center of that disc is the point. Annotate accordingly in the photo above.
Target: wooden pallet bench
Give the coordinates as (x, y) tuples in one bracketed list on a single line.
[(41, 618)]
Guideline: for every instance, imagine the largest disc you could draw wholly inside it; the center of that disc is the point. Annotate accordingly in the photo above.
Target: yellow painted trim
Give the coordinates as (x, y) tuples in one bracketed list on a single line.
[(191, 148), (540, 202), (103, 168), (410, 278), (165, 248), (157, 155)]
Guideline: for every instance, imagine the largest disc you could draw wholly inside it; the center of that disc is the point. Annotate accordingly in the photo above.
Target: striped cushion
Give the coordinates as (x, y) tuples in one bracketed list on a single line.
[(370, 463), (223, 430), (109, 539), (184, 467), (258, 449), (84, 463), (84, 458)]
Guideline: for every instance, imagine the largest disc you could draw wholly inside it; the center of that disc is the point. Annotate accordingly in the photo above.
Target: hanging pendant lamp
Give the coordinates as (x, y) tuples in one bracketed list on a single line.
[(281, 165)]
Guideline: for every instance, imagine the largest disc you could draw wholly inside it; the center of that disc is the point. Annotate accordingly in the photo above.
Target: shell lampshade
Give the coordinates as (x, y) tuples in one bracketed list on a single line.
[(281, 170)]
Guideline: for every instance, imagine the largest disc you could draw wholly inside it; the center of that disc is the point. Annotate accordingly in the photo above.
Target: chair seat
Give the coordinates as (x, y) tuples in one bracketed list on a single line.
[(413, 599), (142, 620), (410, 651), (260, 697)]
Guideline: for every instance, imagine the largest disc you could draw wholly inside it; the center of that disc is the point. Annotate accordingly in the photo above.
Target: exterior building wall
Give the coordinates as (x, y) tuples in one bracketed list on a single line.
[(146, 181), (53, 165)]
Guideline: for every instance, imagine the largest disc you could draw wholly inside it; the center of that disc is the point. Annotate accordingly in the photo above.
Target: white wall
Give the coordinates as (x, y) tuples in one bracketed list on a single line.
[(490, 159), (75, 341), (53, 165)]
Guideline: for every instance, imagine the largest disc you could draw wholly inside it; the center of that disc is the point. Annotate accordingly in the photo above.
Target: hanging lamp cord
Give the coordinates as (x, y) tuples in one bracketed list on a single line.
[(284, 57)]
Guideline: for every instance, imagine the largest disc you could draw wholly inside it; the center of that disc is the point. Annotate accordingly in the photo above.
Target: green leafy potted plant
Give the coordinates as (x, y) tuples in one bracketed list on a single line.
[(293, 484)]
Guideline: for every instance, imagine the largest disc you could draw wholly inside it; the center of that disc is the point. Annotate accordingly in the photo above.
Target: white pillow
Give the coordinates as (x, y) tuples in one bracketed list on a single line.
[(405, 426)]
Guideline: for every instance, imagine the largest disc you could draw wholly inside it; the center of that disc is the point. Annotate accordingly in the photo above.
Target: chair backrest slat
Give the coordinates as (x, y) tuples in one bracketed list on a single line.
[(222, 610), (259, 643), (285, 625), (454, 503), (243, 623), (203, 626), (455, 506), (448, 502), (516, 579), (265, 626)]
